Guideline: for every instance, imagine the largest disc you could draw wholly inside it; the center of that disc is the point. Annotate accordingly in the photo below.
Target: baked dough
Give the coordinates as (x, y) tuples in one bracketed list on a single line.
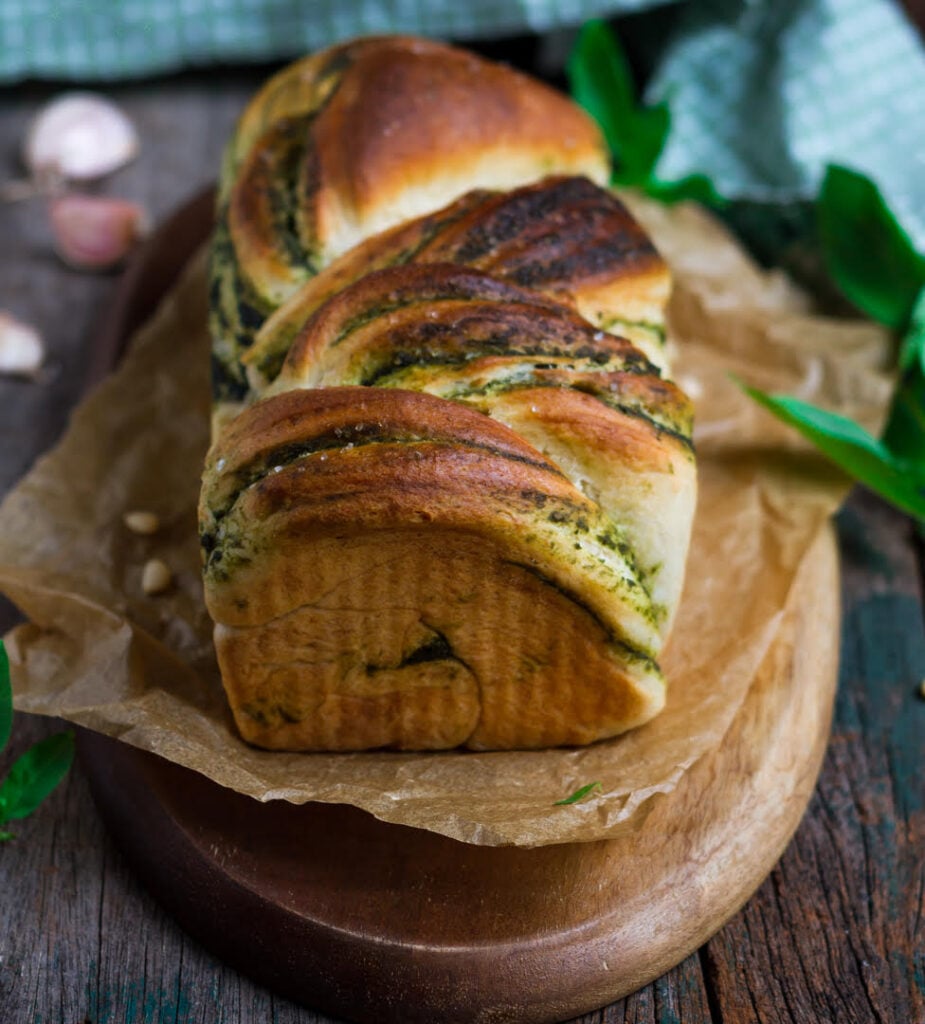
[(450, 492)]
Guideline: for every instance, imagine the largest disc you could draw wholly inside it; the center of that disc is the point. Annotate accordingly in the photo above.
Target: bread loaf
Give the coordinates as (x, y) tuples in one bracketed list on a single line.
[(450, 490)]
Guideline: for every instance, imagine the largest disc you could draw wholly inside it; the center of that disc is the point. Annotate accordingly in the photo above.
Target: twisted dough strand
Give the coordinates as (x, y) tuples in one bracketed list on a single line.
[(451, 488)]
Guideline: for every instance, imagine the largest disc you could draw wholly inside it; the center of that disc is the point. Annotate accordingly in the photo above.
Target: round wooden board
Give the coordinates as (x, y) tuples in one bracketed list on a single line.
[(382, 923)]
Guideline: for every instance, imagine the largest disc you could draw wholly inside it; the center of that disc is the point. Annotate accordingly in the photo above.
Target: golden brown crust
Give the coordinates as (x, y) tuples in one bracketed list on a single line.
[(436, 466), (431, 313), (397, 245), (640, 476), (383, 136), (562, 238), (588, 400), (458, 513), (363, 137), (276, 429), (479, 535)]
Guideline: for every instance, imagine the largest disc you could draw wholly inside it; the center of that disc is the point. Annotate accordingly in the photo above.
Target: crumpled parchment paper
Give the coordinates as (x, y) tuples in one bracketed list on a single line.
[(98, 652)]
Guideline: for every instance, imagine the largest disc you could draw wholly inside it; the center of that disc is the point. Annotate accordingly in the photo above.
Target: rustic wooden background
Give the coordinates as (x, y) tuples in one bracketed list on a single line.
[(837, 933)]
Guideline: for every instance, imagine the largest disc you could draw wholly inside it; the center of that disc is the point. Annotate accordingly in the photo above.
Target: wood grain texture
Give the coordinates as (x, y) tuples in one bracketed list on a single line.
[(382, 923), (848, 893), (838, 923)]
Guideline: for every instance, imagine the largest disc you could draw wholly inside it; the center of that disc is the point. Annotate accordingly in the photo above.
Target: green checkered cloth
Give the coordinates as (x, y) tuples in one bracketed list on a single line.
[(763, 93), (113, 39)]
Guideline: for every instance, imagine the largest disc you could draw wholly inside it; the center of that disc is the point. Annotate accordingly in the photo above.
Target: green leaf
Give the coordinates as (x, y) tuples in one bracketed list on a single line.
[(6, 697), (912, 347), (601, 82), (867, 252), (645, 136), (5, 837), (851, 448), (695, 186), (904, 436), (34, 775), (579, 794)]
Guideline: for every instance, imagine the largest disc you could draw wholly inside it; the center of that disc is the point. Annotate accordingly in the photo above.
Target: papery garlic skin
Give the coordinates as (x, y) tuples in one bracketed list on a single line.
[(79, 136), (21, 347), (95, 232)]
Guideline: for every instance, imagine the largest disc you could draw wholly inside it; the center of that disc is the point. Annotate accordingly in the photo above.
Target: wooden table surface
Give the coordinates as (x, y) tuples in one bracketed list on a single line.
[(837, 933)]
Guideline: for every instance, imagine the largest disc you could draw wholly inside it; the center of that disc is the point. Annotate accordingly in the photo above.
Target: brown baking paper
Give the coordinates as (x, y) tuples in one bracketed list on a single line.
[(101, 654)]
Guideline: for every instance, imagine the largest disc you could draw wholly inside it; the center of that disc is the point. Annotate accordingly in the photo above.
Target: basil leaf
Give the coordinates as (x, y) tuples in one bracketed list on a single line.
[(5, 837), (6, 698), (645, 134), (905, 430), (695, 186), (868, 254), (34, 775), (904, 436), (579, 794), (851, 448), (600, 81), (912, 347)]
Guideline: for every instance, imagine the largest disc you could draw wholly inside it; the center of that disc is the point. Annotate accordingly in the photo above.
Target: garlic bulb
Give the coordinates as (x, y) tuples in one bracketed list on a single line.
[(79, 136), (21, 348), (95, 232)]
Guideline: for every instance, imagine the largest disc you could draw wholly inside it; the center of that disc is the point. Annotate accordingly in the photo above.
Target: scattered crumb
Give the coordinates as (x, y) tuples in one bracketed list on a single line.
[(691, 386), (156, 577), (21, 348), (144, 523)]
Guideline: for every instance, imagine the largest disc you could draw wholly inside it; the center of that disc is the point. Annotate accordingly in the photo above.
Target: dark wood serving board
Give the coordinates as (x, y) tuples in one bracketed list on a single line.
[(383, 923)]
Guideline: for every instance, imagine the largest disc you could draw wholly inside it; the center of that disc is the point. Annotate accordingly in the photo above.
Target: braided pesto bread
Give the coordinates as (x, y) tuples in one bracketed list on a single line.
[(356, 139), (450, 491)]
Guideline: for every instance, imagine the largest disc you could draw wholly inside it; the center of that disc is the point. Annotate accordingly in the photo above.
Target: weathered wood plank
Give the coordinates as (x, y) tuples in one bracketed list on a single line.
[(51, 877), (678, 997), (836, 933)]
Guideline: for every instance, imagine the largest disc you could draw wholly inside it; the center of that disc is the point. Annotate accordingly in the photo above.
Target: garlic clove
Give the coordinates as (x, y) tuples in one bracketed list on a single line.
[(95, 232), (21, 348), (81, 136)]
